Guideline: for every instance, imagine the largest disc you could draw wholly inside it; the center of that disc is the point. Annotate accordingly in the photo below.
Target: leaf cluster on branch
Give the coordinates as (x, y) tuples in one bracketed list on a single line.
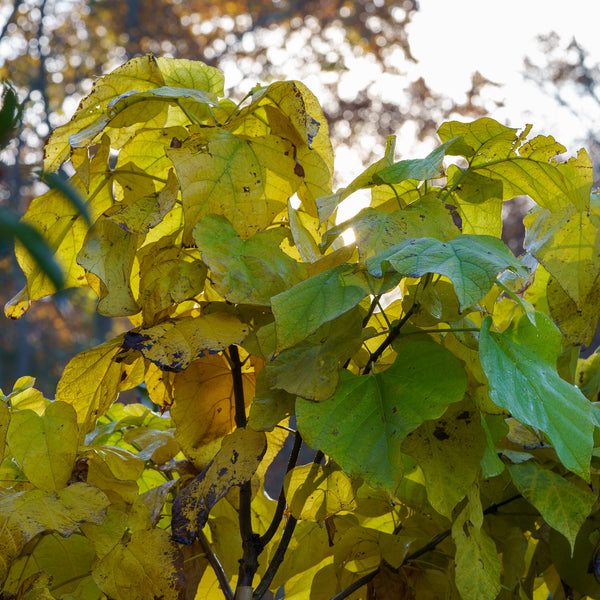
[(436, 374)]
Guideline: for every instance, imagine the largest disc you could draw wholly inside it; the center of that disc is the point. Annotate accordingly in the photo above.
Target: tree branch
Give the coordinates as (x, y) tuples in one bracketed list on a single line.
[(281, 503), (492, 508), (281, 549), (216, 565)]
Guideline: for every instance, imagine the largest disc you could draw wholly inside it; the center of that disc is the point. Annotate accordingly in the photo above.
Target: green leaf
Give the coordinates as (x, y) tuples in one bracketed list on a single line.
[(311, 369), (376, 230), (363, 424), (174, 344), (529, 169), (234, 464), (45, 447), (302, 309), (566, 243), (449, 451), (247, 180), (564, 505), (520, 365), (147, 567), (4, 423), (471, 262), (250, 271), (477, 562)]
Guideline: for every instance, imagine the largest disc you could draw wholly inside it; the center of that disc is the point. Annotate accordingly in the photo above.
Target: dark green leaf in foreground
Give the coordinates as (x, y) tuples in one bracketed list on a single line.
[(520, 365), (471, 262), (363, 424)]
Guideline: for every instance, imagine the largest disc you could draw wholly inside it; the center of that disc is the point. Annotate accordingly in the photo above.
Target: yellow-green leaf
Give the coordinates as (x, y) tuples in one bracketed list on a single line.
[(90, 382), (45, 447), (147, 567), (247, 180), (563, 504), (449, 451), (174, 344), (4, 421), (234, 464), (314, 493)]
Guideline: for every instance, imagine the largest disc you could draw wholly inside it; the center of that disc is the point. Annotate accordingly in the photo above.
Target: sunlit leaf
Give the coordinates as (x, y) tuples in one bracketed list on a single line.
[(471, 262), (234, 464), (45, 447), (250, 271), (147, 567), (174, 344), (520, 366), (247, 180), (363, 424)]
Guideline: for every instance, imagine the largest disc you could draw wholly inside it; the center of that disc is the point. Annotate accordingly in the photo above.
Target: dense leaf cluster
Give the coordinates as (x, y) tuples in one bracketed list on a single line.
[(437, 375)]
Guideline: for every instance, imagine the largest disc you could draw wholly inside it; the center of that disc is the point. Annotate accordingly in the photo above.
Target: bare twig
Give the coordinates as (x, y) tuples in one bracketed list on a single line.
[(216, 565)]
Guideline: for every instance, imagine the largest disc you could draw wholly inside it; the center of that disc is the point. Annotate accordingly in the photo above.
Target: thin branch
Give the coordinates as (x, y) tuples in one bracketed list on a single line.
[(365, 579), (216, 565), (281, 503), (279, 555), (392, 335)]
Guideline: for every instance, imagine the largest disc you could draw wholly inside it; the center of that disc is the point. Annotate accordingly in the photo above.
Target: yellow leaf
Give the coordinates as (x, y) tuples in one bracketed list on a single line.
[(24, 395), (109, 252), (192, 74), (140, 73), (173, 345), (204, 407), (234, 465), (91, 382), (159, 384), (4, 421), (149, 566), (247, 180), (45, 447)]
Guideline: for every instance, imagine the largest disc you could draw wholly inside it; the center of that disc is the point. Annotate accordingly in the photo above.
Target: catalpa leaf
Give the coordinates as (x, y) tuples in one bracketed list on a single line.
[(246, 271), (477, 563), (25, 514), (248, 180), (314, 493), (520, 365), (363, 424), (234, 464), (4, 422), (303, 308), (493, 150), (204, 406), (566, 243), (471, 262), (564, 505), (45, 447), (174, 344), (449, 451), (146, 567)]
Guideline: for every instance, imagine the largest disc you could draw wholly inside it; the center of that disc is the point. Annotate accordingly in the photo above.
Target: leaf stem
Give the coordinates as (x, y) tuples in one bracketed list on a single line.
[(492, 508), (281, 503), (216, 565), (279, 555)]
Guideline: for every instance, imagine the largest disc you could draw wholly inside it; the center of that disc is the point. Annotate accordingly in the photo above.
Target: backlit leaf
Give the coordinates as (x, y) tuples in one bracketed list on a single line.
[(4, 421), (247, 180), (204, 407), (564, 505), (147, 567), (174, 344), (45, 447), (245, 271), (363, 424), (314, 492), (520, 365), (471, 262), (449, 451), (234, 464)]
